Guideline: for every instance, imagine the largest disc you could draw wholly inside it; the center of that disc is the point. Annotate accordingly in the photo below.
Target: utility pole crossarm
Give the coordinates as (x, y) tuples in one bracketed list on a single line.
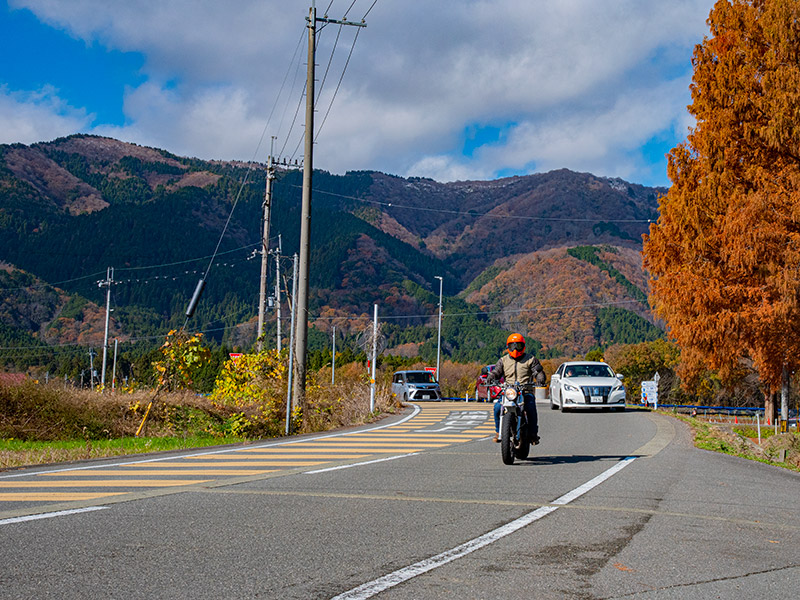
[(339, 22)]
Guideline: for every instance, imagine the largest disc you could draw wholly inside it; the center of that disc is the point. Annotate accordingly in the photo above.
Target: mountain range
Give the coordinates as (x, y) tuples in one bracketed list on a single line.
[(554, 255)]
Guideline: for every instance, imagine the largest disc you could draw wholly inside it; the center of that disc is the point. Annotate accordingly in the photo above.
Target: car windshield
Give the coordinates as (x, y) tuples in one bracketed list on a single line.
[(420, 377), (588, 371)]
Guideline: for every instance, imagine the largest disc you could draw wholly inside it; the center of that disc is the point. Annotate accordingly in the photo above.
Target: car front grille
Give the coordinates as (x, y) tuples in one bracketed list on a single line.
[(595, 390)]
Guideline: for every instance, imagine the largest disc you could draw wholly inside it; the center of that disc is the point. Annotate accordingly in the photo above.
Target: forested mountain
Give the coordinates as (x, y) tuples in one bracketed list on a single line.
[(71, 208)]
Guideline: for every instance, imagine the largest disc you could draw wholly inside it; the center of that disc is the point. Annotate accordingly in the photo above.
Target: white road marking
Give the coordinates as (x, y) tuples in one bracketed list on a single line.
[(60, 513), (371, 588), (369, 462)]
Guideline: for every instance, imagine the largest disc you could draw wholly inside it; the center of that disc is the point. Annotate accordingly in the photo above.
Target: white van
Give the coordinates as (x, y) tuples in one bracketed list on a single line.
[(415, 385)]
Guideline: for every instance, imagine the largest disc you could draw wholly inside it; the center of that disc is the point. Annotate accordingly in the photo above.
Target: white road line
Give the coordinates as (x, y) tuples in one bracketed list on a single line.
[(60, 513), (371, 588), (369, 462)]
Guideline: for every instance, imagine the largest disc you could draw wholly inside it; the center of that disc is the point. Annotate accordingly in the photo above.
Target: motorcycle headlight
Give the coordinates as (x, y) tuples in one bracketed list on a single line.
[(510, 394)]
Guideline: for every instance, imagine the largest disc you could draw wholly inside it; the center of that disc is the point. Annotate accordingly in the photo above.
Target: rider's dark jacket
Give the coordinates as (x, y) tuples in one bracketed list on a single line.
[(525, 369)]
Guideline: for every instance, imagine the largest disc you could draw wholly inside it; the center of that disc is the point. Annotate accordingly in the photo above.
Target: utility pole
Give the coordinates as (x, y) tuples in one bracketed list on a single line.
[(301, 326), (374, 360), (262, 296), (91, 368), (290, 401), (114, 369), (278, 290), (109, 281), (333, 356), (439, 335)]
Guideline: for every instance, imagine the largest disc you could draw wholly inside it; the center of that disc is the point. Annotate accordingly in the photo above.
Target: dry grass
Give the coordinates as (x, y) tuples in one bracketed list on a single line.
[(47, 423)]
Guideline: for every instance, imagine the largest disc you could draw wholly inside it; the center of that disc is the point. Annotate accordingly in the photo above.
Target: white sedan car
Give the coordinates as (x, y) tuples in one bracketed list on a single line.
[(586, 384)]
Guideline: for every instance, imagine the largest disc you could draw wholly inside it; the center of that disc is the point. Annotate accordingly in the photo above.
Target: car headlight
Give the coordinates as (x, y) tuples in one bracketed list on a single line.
[(618, 388), (570, 388), (510, 394)]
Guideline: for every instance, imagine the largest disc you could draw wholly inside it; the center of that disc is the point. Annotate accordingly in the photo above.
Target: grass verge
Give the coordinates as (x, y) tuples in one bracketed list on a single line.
[(738, 441)]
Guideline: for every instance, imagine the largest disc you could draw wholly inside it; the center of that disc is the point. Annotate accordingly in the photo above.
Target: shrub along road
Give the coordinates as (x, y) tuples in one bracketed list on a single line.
[(609, 505)]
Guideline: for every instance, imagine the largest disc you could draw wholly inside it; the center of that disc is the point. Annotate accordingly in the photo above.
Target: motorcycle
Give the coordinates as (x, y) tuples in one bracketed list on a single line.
[(515, 439)]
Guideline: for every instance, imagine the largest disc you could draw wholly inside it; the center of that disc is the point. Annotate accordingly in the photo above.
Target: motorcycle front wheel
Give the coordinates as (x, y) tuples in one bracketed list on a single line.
[(508, 430)]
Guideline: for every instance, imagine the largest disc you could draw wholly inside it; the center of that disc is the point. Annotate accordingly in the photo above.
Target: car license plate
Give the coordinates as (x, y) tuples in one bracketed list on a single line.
[(596, 400), (424, 397)]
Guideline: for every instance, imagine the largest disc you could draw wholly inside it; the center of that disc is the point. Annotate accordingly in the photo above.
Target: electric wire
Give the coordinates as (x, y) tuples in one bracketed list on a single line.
[(369, 9), (338, 85), (476, 213), (289, 96)]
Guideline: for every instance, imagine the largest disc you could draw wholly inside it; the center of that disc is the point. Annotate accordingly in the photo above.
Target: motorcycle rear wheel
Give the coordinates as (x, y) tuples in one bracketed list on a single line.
[(508, 427)]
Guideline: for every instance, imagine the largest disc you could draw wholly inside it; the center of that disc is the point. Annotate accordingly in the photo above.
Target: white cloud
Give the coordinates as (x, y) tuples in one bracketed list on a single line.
[(585, 82), (30, 117)]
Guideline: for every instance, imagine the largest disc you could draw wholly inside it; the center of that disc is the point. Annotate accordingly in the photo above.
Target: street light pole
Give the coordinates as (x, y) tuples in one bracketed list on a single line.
[(439, 335)]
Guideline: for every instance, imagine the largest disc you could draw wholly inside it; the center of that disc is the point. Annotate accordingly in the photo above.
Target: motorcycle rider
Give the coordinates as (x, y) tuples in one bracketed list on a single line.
[(518, 366)]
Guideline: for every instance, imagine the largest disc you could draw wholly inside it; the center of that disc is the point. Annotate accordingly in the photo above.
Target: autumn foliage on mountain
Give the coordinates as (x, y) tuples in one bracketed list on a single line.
[(725, 253)]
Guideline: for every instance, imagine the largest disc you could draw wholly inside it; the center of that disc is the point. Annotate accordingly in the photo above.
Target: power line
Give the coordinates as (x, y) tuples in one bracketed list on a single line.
[(477, 214), (338, 85)]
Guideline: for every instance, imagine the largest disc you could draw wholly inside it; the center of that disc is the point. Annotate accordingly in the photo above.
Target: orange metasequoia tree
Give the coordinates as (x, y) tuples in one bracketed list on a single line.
[(724, 255)]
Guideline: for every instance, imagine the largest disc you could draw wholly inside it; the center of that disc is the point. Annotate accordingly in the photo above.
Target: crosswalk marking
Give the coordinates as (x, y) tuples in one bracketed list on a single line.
[(54, 496), (434, 428), (150, 471), (102, 483)]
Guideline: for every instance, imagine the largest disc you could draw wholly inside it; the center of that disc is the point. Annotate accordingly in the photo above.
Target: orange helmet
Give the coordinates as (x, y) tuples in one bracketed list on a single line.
[(516, 345)]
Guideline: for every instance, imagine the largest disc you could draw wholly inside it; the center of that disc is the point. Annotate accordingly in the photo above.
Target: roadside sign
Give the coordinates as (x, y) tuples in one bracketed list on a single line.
[(431, 370), (650, 393), (235, 355)]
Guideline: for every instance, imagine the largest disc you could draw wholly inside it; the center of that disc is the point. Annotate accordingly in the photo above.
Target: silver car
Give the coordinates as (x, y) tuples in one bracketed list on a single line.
[(586, 384), (415, 385)]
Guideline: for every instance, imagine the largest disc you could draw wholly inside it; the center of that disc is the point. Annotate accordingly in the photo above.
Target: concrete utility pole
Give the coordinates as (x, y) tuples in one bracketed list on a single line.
[(439, 334), (109, 281), (333, 356), (91, 368), (374, 360), (290, 402), (262, 295), (301, 326), (114, 369), (278, 291)]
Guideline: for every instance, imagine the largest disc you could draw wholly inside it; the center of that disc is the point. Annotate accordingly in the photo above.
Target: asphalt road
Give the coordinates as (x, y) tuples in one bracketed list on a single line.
[(610, 505)]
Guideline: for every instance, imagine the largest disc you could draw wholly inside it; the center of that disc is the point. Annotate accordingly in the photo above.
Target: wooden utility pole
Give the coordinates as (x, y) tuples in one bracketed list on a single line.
[(301, 320)]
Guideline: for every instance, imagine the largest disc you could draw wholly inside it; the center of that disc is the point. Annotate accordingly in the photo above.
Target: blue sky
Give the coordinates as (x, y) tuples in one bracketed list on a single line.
[(452, 90)]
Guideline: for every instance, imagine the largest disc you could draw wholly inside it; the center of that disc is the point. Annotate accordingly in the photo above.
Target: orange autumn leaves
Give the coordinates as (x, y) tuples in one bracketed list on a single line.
[(725, 253)]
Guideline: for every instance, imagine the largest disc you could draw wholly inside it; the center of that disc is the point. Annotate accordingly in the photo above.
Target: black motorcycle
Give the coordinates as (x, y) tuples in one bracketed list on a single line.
[(515, 439)]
